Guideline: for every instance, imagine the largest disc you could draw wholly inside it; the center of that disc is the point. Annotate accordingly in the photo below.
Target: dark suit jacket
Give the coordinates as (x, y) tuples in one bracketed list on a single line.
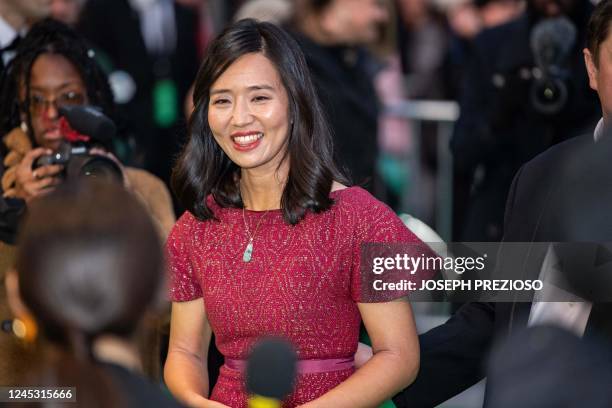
[(563, 195)]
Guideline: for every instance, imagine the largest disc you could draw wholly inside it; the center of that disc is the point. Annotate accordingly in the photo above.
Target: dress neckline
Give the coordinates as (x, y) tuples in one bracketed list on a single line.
[(333, 194)]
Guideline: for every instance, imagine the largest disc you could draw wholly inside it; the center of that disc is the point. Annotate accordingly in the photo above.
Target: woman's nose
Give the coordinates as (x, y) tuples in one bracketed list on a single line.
[(242, 114), (51, 111)]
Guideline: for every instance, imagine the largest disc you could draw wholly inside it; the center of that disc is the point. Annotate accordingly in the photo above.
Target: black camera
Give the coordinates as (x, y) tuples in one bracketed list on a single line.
[(84, 128), (545, 84)]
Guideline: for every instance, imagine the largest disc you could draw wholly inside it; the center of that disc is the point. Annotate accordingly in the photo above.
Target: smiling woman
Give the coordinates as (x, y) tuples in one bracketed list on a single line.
[(271, 241), (248, 114)]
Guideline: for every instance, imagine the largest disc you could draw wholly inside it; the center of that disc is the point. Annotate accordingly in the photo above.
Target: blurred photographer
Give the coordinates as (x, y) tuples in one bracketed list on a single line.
[(55, 70), (525, 90)]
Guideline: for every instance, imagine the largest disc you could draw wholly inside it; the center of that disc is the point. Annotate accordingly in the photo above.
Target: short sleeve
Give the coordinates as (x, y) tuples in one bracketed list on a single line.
[(380, 233), (184, 285)]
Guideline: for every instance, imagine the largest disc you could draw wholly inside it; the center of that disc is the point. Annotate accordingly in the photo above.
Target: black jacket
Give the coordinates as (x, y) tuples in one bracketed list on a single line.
[(343, 78), (563, 195)]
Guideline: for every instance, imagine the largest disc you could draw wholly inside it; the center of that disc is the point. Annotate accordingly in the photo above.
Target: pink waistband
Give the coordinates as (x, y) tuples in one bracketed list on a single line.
[(303, 366)]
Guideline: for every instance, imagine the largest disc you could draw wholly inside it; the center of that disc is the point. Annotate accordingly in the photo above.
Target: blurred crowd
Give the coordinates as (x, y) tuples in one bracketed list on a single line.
[(367, 56), (136, 60)]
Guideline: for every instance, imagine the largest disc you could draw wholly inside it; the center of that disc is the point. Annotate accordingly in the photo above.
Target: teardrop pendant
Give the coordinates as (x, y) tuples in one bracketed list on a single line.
[(248, 252)]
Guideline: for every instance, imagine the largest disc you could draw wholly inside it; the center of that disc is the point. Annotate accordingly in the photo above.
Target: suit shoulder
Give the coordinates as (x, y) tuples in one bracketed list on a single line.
[(559, 154)]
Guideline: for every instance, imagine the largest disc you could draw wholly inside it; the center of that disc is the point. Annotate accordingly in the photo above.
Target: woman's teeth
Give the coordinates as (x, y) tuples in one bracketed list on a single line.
[(243, 140)]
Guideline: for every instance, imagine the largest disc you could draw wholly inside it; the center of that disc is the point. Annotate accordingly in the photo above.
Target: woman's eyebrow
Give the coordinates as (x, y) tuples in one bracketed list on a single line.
[(260, 87), (59, 87), (250, 88)]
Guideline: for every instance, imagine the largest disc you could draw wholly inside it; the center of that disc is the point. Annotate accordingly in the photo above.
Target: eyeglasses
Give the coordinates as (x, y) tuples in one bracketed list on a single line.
[(39, 104)]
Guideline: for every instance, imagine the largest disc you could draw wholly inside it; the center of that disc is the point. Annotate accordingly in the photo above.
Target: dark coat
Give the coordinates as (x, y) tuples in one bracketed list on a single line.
[(563, 195), (343, 78)]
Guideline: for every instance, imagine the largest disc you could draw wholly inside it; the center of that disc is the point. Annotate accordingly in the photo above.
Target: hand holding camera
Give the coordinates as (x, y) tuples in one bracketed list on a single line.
[(32, 182), (84, 152)]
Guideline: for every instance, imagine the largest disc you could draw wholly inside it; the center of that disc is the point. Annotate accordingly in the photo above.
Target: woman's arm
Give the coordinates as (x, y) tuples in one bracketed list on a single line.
[(394, 365), (185, 371)]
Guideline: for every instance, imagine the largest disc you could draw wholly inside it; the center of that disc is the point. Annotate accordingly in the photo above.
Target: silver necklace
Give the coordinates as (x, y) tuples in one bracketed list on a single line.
[(248, 251)]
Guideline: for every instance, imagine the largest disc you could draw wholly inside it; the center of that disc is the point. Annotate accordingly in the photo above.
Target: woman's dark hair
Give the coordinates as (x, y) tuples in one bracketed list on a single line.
[(87, 268), (204, 168), (598, 28), (50, 36)]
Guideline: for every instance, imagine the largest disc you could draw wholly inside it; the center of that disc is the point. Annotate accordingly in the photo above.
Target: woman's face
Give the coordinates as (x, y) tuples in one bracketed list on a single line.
[(248, 113), (54, 82)]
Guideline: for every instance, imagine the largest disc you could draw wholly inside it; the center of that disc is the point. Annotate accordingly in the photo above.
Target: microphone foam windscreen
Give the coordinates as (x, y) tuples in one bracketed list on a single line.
[(271, 369), (551, 40), (91, 122)]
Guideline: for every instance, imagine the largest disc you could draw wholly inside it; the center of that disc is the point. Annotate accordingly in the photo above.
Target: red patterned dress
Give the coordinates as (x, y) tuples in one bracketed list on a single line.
[(302, 282)]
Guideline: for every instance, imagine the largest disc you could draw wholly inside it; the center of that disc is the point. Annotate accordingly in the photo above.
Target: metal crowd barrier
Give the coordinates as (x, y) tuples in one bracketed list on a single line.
[(445, 114)]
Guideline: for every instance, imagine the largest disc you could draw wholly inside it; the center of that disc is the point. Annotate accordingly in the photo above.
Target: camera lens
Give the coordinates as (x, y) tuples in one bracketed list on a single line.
[(101, 168), (548, 95)]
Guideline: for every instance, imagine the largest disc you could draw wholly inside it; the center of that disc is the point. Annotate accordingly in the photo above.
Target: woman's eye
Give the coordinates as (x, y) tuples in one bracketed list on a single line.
[(37, 100), (220, 101), (71, 98), (260, 98)]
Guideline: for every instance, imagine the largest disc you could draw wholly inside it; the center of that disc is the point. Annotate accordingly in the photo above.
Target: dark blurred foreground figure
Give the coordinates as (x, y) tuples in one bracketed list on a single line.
[(502, 125), (548, 367), (87, 271), (563, 195)]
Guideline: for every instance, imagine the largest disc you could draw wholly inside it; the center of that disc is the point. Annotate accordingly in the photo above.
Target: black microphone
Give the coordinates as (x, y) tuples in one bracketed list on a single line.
[(270, 373), (91, 122)]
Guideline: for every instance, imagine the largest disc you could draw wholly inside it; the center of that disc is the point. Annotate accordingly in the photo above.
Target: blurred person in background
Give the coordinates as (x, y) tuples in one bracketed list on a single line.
[(273, 11), (466, 20), (151, 51), (15, 18), (423, 47), (54, 68), (67, 11), (508, 116), (87, 271), (423, 42), (394, 132), (332, 35)]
